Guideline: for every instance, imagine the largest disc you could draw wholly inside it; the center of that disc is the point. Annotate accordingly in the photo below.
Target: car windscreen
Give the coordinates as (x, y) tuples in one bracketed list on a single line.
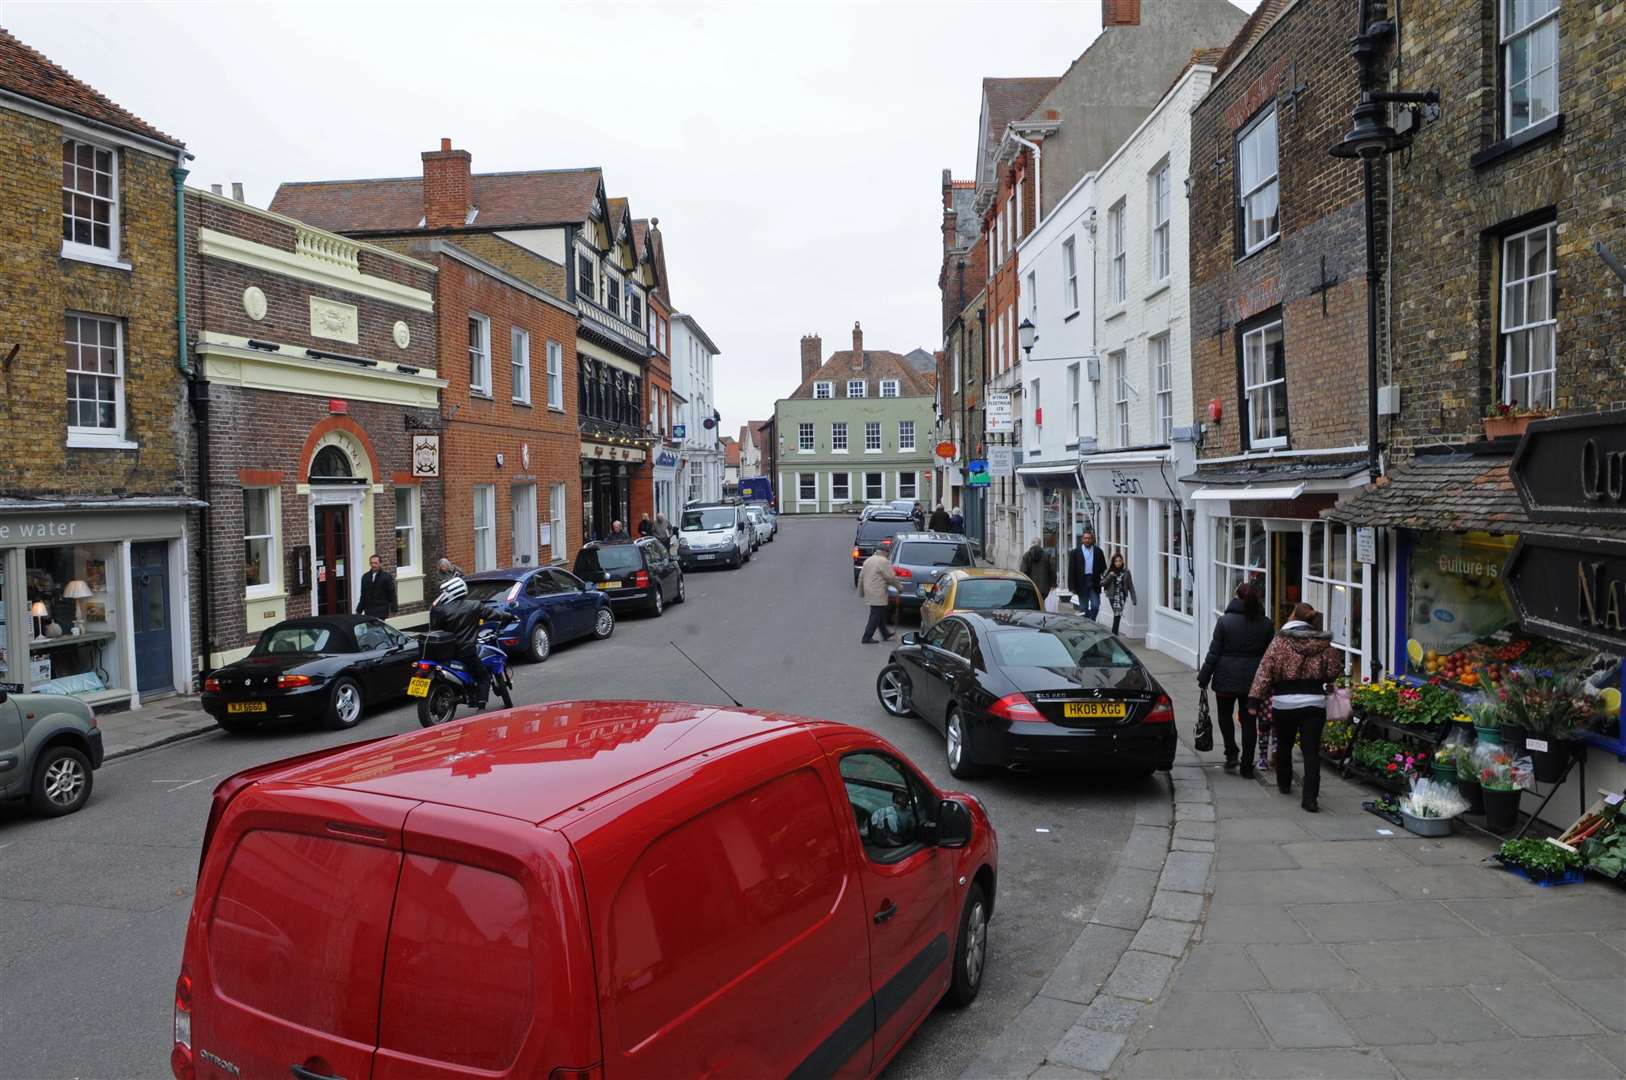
[(980, 594), (611, 557), (298, 639), (488, 591), (932, 553), (1059, 647), (703, 520), (874, 529)]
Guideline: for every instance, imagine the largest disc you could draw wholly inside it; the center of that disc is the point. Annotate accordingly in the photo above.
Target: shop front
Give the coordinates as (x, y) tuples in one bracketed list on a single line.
[(664, 473), (1143, 516), (94, 598), (1055, 510), (607, 473)]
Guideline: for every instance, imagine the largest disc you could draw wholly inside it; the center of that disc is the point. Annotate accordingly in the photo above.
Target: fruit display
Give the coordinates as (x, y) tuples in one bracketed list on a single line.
[(1487, 660)]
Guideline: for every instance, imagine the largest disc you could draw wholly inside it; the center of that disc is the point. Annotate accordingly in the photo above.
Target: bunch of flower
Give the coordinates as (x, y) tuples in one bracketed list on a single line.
[(1430, 705), (1390, 758), (1447, 753), (1429, 799), (1375, 697), (1495, 767)]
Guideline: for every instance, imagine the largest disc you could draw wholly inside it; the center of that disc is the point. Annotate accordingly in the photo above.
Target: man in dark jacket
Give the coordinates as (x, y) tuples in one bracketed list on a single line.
[(940, 520), (1240, 638), (1040, 568), (377, 591), (459, 614), (1085, 565), (618, 533)]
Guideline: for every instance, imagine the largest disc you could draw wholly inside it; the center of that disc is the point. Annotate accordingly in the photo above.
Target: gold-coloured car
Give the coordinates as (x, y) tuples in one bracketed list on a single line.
[(979, 589)]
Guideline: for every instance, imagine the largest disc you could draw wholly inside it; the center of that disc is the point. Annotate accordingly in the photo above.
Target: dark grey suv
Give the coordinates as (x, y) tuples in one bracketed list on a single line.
[(920, 558), (49, 747)]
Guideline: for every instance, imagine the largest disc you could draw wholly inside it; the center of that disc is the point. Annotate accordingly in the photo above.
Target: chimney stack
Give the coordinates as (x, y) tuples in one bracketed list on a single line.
[(217, 189), (237, 190), (858, 347), (812, 354), (1120, 13), (448, 188)]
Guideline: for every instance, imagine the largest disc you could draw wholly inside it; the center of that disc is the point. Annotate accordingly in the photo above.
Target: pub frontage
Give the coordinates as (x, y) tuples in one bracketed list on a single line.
[(1508, 556)]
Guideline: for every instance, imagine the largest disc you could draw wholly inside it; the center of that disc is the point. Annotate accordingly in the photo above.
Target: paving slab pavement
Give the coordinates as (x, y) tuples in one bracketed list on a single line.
[(156, 723)]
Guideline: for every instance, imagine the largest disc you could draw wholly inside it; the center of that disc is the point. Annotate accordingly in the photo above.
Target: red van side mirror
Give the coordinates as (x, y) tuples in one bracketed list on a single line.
[(953, 824)]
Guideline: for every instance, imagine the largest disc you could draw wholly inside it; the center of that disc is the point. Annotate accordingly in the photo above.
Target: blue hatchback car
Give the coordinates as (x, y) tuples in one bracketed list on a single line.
[(548, 606)]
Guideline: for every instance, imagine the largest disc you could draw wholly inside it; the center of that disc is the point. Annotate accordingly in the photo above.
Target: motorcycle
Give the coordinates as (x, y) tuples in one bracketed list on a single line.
[(441, 682)]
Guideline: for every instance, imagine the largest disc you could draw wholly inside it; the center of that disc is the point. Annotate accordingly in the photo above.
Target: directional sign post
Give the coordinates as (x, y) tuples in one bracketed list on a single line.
[(1571, 588), (1573, 469)]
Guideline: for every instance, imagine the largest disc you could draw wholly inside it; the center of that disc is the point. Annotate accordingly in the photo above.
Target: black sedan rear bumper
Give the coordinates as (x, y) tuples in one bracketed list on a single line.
[(303, 703), (1088, 749), (630, 598)]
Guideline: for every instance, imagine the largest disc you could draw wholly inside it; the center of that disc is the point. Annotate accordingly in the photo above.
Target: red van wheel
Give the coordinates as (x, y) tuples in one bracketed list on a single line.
[(970, 950)]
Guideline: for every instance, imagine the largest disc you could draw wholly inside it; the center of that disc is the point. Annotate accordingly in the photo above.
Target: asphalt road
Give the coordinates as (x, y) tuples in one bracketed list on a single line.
[(92, 907)]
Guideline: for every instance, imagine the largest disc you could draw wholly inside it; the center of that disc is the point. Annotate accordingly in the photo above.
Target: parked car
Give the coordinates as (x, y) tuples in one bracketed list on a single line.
[(978, 589), (1026, 689), (50, 749), (877, 530), (582, 889), (641, 575), (326, 669), (763, 528), (548, 605), (920, 558), (714, 535)]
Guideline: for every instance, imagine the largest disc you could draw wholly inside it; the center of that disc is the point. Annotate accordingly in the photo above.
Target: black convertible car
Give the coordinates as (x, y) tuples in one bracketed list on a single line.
[(325, 669), (1027, 689)]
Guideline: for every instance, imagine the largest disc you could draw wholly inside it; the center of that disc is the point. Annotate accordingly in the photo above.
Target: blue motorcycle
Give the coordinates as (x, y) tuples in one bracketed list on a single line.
[(441, 682)]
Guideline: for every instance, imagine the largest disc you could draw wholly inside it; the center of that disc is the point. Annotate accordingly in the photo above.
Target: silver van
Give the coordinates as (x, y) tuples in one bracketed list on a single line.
[(49, 747)]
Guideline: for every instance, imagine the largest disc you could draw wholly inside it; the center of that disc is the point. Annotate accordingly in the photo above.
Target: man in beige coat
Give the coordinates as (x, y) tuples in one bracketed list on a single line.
[(873, 579)]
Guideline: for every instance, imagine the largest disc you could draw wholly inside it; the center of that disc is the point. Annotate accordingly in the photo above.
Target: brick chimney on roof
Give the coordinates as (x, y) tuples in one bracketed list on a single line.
[(1120, 12), (858, 347), (448, 188), (812, 354)]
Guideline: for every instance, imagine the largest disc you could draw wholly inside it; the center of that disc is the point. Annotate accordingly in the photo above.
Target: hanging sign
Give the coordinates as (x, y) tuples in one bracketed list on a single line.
[(976, 473), (680, 431), (997, 414), (1002, 461), (944, 449), (426, 455), (1572, 588), (1573, 468)]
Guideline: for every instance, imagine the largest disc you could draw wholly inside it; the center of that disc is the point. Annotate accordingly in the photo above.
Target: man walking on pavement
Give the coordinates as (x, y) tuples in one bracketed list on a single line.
[(873, 579), (1040, 569), (1085, 564), (377, 591), (940, 520), (663, 531), (645, 527)]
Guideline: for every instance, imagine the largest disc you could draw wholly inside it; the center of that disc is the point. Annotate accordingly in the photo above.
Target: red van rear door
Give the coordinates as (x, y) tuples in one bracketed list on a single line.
[(287, 954), (489, 971)]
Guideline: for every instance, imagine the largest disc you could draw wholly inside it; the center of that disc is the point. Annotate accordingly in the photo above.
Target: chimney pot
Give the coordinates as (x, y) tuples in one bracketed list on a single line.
[(445, 144), (237, 190)]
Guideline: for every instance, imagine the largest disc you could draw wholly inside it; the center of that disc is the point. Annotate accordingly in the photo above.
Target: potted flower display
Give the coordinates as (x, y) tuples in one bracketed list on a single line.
[(1428, 810), (1376, 698), (1427, 707), (1485, 713), (1546, 708), (1393, 764), (1507, 421), (1335, 740), (1468, 781), (1445, 763), (1545, 862), (1500, 790)]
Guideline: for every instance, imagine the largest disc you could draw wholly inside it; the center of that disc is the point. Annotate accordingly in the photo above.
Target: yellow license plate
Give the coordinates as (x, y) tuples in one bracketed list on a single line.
[(609, 585), (1095, 710), (246, 706), (417, 688)]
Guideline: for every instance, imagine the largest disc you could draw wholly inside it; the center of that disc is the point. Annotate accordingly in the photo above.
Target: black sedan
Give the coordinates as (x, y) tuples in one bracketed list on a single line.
[(1024, 689), (640, 575), (325, 669)]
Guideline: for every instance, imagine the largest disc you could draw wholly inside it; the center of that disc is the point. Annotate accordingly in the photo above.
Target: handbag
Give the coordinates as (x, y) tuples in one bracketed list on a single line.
[(1338, 704), (1203, 738)]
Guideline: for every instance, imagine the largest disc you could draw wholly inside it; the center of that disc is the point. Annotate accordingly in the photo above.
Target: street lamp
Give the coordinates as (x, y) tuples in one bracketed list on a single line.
[(1027, 334)]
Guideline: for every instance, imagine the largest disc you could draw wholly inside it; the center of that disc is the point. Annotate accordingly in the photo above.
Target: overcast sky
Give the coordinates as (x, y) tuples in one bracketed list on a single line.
[(793, 152)]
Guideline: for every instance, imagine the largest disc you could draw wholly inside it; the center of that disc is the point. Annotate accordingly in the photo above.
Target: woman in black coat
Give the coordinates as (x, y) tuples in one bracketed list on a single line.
[(1240, 638)]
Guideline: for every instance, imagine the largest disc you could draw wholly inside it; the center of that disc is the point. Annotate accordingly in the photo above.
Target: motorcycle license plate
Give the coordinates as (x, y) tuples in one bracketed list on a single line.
[(418, 688), (245, 706), (1095, 710)]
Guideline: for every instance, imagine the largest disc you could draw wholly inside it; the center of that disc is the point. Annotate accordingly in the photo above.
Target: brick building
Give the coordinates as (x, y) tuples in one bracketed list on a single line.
[(963, 274), (97, 505), (1278, 322), (651, 248), (318, 406)]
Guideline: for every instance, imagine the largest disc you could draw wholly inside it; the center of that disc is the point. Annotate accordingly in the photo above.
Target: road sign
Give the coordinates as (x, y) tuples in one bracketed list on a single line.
[(1002, 461), (680, 431), (1570, 587), (976, 473), (997, 413), (1573, 468)]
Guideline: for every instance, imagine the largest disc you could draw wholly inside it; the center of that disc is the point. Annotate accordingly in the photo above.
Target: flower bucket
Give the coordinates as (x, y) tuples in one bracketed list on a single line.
[(1445, 772), (1501, 808), (1473, 793), (1426, 826), (1492, 735), (1548, 758), (1513, 737)]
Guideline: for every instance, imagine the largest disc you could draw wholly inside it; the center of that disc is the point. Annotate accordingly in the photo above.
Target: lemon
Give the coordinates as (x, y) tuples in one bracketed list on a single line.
[(1611, 700), (1414, 651)]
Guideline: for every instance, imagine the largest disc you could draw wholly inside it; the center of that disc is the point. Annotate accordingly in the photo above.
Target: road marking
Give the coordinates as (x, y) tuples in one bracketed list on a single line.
[(179, 784)]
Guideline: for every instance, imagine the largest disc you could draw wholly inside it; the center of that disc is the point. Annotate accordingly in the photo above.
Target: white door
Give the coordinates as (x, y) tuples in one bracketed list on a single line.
[(525, 525)]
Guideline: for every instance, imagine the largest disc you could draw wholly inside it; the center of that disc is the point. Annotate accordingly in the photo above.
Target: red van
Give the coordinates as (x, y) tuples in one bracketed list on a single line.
[(589, 889)]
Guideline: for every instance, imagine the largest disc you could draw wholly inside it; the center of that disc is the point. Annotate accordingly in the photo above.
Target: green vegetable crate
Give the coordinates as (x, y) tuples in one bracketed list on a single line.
[(1600, 837)]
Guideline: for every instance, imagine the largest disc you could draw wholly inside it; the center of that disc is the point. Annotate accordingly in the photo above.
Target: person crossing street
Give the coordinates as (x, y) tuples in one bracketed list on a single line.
[(873, 579)]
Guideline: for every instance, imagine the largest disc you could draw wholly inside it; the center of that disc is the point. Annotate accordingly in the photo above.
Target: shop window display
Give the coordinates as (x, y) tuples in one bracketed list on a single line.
[(71, 632)]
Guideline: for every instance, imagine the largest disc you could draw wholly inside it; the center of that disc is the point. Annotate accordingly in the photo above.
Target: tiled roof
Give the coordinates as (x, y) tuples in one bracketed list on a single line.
[(650, 228), (1263, 18), (878, 364), (394, 205), (27, 73), (731, 452), (1453, 492), (1009, 99), (618, 212), (921, 360), (1274, 472), (1198, 58)]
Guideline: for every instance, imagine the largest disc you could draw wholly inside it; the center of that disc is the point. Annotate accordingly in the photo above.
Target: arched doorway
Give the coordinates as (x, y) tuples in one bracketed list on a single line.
[(340, 479)]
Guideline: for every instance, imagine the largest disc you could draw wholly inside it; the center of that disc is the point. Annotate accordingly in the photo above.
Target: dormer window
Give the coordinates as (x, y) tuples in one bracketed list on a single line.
[(586, 275), (823, 391), (889, 388), (612, 292), (855, 388)]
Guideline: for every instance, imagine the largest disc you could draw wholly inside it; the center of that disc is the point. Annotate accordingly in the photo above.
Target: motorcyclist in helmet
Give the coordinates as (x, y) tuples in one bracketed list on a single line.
[(459, 614)]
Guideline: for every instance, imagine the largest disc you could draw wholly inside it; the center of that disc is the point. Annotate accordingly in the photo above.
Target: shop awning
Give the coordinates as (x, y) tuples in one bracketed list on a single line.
[(101, 503), (1061, 469), (1452, 492), (1282, 491)]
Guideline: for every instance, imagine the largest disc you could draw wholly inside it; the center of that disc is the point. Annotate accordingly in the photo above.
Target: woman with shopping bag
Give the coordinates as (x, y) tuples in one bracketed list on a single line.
[(1238, 643)]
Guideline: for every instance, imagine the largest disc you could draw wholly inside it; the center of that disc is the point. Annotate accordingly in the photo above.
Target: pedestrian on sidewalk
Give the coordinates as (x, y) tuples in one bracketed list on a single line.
[(1085, 564), (618, 533), (645, 526), (1041, 570), (956, 521), (1295, 674), (940, 520), (873, 579), (377, 591), (1118, 584), (1239, 640)]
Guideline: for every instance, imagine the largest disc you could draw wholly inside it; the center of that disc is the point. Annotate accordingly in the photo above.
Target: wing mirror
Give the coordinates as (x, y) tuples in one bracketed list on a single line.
[(910, 638), (953, 824)]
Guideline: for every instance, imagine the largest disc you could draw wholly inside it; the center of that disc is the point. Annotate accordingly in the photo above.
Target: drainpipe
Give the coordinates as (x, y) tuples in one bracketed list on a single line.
[(179, 175), (198, 392), (1038, 180)]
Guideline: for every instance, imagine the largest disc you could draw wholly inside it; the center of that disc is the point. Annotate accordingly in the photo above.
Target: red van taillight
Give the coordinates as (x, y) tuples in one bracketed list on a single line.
[(211, 685), (641, 579), (291, 682), (586, 1072), (1017, 709), (180, 1058), (1162, 711)]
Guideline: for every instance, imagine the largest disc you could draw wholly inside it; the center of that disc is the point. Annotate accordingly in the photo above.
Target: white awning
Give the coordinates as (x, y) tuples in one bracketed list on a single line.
[(1288, 491), (1047, 470)]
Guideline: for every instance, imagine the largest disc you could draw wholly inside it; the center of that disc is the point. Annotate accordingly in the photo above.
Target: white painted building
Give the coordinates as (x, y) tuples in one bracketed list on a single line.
[(1054, 403), (700, 464), (1143, 400)]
